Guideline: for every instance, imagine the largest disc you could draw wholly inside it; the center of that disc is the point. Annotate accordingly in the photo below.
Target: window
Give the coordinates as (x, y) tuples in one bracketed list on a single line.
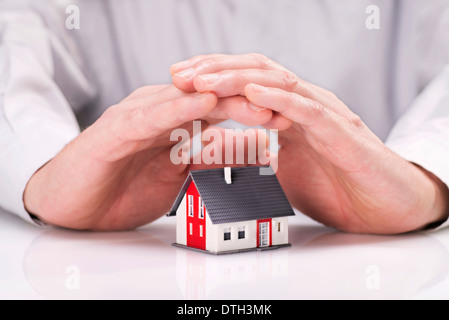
[(190, 229), (190, 206), (241, 233), (227, 234), (279, 227), (201, 208), (201, 231)]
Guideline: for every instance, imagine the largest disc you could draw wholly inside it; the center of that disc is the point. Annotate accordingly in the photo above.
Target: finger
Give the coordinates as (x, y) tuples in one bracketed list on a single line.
[(155, 94), (183, 76), (321, 122), (200, 68), (164, 140), (146, 91), (278, 122), (241, 110), (231, 83), (147, 120), (293, 106), (182, 65), (338, 139)]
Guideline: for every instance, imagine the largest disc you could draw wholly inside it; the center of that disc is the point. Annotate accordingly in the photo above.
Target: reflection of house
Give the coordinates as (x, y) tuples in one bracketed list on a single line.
[(203, 276), (231, 210)]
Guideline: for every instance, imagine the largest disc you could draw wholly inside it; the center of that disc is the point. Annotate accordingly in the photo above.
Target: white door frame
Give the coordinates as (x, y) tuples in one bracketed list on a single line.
[(264, 234)]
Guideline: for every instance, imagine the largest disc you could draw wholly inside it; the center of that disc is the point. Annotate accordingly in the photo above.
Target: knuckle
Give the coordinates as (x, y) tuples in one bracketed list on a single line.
[(356, 121), (138, 92), (196, 58), (318, 110), (177, 106), (239, 77), (206, 64), (257, 56), (133, 117), (291, 99), (112, 121), (289, 80), (302, 86), (261, 60), (332, 96), (112, 113)]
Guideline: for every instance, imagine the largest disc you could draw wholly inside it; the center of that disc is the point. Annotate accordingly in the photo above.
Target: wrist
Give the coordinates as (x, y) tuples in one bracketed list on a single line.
[(31, 195), (48, 192), (438, 211)]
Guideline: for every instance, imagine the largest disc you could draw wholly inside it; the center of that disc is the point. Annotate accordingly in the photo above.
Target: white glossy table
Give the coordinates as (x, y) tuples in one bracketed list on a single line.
[(142, 264)]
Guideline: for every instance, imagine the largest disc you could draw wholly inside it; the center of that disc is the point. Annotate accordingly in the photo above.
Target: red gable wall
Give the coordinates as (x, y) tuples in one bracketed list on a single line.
[(195, 240)]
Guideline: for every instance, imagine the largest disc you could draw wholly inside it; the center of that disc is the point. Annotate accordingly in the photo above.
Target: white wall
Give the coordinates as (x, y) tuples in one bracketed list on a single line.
[(211, 239), (282, 236), (216, 234), (181, 223)]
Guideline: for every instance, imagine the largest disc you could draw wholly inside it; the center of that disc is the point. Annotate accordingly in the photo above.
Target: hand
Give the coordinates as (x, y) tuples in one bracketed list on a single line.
[(117, 174), (331, 166)]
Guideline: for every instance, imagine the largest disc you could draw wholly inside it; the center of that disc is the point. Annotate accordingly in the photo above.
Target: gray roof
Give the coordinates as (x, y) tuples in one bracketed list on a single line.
[(251, 196)]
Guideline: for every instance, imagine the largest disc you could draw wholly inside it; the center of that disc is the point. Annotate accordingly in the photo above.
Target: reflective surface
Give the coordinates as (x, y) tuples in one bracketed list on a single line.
[(322, 263)]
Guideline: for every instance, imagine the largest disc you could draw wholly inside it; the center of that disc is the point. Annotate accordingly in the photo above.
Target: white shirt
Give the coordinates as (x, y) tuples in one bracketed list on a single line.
[(392, 75)]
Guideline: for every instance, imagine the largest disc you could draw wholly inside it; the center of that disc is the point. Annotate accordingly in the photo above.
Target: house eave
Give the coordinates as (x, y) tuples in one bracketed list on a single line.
[(179, 197)]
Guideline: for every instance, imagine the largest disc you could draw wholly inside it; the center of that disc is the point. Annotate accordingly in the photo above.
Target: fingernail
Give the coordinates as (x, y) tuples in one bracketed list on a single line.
[(202, 95), (185, 74), (209, 79), (257, 88), (181, 65), (256, 108)]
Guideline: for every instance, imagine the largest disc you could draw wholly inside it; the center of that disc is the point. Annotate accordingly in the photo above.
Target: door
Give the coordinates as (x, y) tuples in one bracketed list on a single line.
[(264, 233)]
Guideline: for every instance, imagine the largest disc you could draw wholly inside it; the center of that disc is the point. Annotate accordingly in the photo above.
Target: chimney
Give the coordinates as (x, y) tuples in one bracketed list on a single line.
[(227, 175)]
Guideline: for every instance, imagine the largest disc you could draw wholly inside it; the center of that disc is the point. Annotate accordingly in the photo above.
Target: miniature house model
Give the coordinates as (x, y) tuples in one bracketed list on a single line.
[(231, 210)]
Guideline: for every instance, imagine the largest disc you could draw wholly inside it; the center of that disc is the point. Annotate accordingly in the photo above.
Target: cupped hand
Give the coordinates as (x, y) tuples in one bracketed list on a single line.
[(331, 165), (118, 174)]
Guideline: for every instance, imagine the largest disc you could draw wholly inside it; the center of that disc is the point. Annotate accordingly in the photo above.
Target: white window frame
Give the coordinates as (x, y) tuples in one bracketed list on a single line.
[(241, 229), (201, 231), (191, 229), (201, 210), (190, 206), (227, 230)]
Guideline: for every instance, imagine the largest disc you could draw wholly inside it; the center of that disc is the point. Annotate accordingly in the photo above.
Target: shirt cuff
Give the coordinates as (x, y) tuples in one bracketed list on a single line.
[(430, 151), (25, 155)]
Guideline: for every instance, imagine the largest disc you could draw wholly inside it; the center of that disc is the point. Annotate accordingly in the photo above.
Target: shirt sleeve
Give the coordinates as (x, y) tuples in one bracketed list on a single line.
[(36, 119), (422, 134)]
